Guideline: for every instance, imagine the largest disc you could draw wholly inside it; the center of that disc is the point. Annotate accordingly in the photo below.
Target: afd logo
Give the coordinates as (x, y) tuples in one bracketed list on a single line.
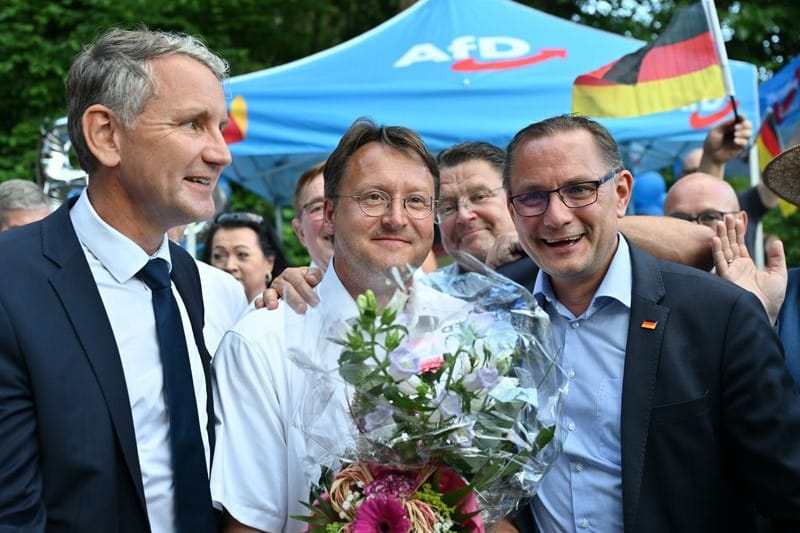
[(708, 113), (469, 53)]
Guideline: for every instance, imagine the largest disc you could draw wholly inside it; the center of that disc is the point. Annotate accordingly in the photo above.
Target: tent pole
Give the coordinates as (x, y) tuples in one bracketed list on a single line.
[(755, 179)]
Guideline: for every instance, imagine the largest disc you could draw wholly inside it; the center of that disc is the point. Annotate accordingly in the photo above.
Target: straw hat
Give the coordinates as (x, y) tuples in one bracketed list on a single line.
[(782, 175)]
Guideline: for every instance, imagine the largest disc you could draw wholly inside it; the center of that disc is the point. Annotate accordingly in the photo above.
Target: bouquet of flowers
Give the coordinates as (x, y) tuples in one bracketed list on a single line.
[(455, 406)]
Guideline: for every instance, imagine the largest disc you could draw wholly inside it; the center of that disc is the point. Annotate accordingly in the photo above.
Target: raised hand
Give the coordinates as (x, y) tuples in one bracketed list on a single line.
[(733, 263)]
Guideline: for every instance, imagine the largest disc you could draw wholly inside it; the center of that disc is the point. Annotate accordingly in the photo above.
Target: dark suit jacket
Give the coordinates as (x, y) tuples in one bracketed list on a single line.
[(789, 325), (68, 457), (710, 423)]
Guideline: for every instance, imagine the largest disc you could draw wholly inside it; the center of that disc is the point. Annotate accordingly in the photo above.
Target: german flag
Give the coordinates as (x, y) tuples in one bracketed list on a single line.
[(768, 140), (679, 68), (769, 145)]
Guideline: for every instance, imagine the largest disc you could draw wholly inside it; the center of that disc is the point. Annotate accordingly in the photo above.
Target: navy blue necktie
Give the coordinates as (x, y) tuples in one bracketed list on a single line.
[(193, 509)]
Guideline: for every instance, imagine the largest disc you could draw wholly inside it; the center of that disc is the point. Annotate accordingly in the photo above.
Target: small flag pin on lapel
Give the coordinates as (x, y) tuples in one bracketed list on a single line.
[(649, 324)]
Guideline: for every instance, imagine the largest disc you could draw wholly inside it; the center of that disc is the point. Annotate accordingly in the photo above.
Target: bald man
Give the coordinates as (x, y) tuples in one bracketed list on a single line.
[(704, 199), (724, 142)]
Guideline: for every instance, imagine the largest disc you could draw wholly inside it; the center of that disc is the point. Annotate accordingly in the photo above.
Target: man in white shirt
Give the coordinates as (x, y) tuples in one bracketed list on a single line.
[(88, 439), (380, 189)]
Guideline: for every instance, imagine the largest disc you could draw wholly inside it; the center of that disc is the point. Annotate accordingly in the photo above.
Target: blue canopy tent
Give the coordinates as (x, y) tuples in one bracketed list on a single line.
[(453, 70)]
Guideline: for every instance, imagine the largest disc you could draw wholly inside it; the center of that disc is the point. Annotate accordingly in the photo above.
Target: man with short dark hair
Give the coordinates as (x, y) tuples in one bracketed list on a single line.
[(21, 202), (381, 185), (105, 410), (680, 406)]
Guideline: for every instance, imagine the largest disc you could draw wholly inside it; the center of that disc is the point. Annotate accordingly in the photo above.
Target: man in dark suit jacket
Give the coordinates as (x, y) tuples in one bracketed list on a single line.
[(681, 414), (85, 431)]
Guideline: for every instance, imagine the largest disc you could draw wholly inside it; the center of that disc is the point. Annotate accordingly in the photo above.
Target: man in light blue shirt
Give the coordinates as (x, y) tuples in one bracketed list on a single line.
[(680, 408), (585, 482)]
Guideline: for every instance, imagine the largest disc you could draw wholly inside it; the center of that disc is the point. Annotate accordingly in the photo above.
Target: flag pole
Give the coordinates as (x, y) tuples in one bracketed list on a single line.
[(719, 43)]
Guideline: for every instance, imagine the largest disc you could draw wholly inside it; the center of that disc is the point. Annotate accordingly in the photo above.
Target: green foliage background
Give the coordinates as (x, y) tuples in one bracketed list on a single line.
[(39, 38)]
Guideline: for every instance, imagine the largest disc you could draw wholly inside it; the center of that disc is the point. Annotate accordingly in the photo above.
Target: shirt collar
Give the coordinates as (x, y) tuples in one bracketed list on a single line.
[(424, 300), (118, 254), (617, 284)]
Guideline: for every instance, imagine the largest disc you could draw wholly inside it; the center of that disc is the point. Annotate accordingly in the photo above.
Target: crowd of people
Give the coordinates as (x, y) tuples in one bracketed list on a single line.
[(682, 356)]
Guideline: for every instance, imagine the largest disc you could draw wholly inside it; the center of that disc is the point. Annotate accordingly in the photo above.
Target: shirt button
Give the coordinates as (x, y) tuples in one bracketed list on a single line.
[(584, 523), (571, 374), (579, 468), (575, 324), (571, 426)]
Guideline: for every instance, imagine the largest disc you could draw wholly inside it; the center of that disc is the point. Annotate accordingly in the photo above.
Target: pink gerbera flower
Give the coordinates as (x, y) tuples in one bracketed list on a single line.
[(381, 514)]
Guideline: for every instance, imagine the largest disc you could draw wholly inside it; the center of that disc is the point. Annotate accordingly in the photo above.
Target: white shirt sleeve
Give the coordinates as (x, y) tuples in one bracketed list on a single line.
[(250, 469)]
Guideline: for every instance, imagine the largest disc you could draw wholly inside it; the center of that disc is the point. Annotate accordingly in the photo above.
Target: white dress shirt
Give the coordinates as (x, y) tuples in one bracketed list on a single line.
[(224, 301), (267, 402), (114, 260)]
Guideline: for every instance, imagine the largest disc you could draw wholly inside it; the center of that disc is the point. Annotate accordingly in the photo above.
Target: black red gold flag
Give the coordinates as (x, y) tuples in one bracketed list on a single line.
[(680, 67), (770, 145)]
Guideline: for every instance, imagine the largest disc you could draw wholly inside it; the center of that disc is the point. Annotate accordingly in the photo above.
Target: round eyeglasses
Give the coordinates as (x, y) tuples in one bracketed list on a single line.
[(376, 203), (314, 209), (448, 208), (707, 218), (574, 195)]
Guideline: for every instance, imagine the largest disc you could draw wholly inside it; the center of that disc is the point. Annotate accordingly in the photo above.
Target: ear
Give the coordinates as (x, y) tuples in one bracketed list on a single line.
[(269, 264), (100, 129), (298, 230), (327, 221), (743, 217), (623, 186)]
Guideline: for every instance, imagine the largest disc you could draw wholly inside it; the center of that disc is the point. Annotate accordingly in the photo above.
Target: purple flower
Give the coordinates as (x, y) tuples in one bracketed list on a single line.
[(483, 378), (381, 416), (403, 363), (381, 514), (448, 404)]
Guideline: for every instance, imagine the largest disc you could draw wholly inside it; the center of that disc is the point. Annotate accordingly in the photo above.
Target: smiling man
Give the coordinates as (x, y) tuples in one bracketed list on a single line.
[(472, 210), (309, 196), (381, 184), (104, 376), (679, 399)]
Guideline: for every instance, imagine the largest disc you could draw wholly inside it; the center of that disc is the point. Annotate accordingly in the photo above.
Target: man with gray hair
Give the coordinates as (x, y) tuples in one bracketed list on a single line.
[(21, 202), (105, 410)]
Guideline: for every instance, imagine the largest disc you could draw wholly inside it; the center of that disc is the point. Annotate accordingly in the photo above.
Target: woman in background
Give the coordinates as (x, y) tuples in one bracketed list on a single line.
[(245, 245)]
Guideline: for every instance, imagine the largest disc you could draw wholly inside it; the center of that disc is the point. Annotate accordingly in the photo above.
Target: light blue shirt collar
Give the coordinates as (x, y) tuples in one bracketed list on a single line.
[(122, 257), (617, 284)]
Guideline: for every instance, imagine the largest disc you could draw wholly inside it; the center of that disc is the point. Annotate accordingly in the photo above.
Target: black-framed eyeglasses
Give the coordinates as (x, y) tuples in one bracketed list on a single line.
[(574, 195), (708, 217), (376, 203), (314, 209), (449, 207), (239, 217)]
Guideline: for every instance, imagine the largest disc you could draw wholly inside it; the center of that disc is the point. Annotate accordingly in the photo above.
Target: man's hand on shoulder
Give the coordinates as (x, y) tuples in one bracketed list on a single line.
[(295, 285)]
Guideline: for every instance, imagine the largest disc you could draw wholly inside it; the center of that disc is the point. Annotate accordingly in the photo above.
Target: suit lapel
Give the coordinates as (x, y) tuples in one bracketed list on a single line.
[(77, 290), (645, 334)]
